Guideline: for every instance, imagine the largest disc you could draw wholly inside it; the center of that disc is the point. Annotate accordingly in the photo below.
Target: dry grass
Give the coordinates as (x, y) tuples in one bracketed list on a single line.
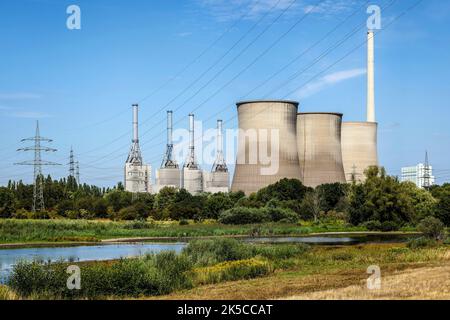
[(431, 283), (334, 270)]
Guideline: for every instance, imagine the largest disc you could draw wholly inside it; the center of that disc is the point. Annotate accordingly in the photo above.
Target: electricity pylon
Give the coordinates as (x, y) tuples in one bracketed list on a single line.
[(37, 163)]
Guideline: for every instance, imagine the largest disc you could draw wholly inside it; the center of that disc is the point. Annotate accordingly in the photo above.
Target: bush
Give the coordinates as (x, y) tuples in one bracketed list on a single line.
[(208, 252), (6, 294), (421, 242), (183, 222), (279, 214), (150, 275), (242, 215), (232, 270), (432, 228), (372, 225)]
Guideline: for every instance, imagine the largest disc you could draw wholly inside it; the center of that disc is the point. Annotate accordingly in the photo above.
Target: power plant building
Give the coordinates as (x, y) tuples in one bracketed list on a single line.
[(319, 148), (267, 150), (137, 174)]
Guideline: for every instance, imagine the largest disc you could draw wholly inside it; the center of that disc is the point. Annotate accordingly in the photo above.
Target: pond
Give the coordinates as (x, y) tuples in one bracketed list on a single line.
[(9, 257)]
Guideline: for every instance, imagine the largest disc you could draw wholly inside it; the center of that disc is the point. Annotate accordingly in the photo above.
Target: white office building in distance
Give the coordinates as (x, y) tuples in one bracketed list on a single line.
[(421, 175)]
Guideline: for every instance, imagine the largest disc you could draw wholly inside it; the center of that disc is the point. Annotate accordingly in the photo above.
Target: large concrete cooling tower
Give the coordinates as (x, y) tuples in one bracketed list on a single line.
[(267, 149), (319, 148), (359, 149)]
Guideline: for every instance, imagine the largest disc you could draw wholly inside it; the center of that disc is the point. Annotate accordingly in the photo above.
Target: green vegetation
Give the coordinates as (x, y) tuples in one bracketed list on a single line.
[(152, 274), (381, 203), (229, 260)]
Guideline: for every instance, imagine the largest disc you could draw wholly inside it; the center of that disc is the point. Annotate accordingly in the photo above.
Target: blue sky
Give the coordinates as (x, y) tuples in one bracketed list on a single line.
[(80, 83)]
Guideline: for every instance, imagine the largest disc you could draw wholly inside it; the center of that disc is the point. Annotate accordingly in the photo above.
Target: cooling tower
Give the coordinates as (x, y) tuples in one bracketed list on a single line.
[(215, 182), (319, 148), (267, 150), (359, 149)]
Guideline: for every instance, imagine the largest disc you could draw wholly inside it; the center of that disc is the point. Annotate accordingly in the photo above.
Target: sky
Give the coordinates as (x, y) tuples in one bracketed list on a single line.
[(203, 56)]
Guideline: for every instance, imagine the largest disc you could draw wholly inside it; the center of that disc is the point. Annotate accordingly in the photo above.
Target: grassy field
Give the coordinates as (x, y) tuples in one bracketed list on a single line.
[(324, 272), (32, 231)]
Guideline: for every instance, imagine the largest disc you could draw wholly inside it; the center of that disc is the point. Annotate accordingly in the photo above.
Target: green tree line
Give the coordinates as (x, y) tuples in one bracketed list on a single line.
[(380, 203)]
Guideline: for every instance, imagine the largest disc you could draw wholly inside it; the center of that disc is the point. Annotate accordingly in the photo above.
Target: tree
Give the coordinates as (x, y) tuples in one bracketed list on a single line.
[(331, 195), (442, 194), (380, 198), (311, 205), (422, 200), (216, 204), (432, 228), (7, 203), (285, 189)]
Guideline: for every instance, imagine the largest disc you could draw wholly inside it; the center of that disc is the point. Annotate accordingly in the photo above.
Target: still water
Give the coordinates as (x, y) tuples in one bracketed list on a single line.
[(9, 257)]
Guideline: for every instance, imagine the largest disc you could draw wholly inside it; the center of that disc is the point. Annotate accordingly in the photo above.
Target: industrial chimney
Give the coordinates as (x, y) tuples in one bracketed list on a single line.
[(360, 139), (370, 77), (192, 178), (217, 180), (169, 173), (137, 175)]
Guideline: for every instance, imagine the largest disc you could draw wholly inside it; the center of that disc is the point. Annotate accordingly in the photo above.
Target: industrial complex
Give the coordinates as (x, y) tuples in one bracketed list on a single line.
[(275, 141)]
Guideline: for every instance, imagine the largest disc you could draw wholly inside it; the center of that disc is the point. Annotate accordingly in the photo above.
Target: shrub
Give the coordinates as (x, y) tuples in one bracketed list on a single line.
[(387, 226), (432, 228), (278, 214), (6, 294), (232, 270), (183, 222), (372, 225), (421, 242), (208, 252), (242, 215), (150, 275)]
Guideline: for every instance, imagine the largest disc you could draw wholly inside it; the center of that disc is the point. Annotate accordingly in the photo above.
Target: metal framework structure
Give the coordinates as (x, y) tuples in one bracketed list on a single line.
[(219, 164), (426, 173), (168, 161), (135, 156), (37, 163), (191, 162), (71, 164)]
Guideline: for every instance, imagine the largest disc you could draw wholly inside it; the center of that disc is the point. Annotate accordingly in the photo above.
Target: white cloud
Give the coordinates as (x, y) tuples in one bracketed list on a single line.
[(225, 10), (329, 80)]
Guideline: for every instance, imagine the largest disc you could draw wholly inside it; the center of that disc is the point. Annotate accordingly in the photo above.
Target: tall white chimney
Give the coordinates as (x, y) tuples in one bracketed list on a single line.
[(370, 77), (191, 135), (169, 128), (135, 123)]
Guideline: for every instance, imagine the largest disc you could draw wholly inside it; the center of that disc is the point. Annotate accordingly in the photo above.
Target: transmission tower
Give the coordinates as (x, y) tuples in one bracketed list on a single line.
[(71, 164), (426, 173), (37, 163), (77, 171)]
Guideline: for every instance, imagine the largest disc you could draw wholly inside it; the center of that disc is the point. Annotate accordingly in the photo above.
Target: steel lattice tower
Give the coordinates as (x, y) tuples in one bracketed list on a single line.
[(38, 189), (219, 163), (71, 164), (168, 161), (77, 172), (426, 173)]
